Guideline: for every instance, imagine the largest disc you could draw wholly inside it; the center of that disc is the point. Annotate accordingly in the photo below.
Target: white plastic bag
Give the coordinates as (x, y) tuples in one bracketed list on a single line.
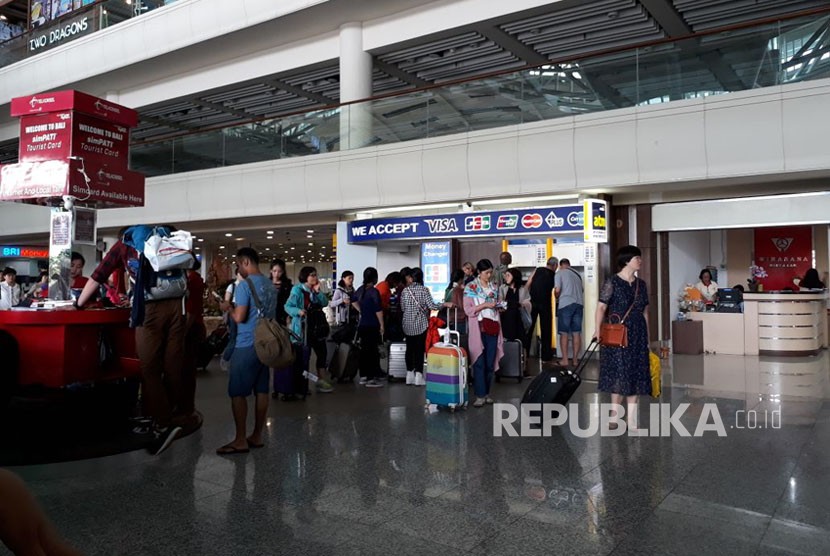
[(171, 252)]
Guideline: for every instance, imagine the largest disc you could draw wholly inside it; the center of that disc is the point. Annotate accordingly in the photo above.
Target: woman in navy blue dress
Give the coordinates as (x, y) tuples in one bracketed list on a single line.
[(624, 372)]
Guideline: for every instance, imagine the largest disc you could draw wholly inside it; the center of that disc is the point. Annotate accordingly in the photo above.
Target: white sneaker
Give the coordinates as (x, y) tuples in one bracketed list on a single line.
[(410, 377), (419, 379), (362, 380)]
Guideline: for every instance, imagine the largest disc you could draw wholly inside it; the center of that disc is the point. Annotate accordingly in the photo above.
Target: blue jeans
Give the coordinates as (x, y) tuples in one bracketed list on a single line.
[(485, 366)]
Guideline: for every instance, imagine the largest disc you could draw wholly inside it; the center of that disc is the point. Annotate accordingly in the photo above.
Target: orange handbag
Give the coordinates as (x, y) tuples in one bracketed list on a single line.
[(615, 334)]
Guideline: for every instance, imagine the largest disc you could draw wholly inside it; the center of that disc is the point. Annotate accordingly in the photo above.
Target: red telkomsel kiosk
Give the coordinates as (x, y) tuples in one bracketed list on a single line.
[(74, 151)]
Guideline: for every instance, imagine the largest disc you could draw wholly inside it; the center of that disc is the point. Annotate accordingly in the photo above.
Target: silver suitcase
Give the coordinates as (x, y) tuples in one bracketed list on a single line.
[(396, 360), (512, 362)]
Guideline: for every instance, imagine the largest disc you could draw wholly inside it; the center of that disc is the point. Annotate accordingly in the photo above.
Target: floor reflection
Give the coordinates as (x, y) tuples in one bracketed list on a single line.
[(370, 472)]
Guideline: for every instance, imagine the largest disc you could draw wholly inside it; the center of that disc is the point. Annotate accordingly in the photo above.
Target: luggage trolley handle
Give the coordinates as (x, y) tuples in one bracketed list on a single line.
[(453, 331), (589, 352)]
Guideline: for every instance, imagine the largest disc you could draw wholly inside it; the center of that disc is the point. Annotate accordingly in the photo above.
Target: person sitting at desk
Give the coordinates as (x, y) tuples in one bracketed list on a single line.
[(10, 294), (811, 281), (706, 286), (76, 271)]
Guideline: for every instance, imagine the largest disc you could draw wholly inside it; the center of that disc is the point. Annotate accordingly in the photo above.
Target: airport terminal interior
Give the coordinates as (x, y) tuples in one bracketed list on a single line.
[(441, 205)]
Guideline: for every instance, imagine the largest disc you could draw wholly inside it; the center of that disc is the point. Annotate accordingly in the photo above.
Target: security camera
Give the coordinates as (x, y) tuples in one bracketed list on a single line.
[(68, 202)]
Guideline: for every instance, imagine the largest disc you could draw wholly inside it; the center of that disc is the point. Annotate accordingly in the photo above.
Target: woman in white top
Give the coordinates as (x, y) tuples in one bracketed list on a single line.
[(706, 286)]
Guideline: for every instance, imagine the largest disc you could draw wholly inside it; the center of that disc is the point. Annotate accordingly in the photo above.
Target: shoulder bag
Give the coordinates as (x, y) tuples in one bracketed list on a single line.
[(272, 341), (615, 334)]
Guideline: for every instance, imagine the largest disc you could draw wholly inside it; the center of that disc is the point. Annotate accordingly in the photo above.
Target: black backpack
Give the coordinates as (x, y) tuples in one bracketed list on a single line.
[(318, 325)]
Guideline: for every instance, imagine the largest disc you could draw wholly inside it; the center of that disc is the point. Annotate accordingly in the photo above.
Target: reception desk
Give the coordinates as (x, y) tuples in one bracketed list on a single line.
[(785, 323), (771, 324)]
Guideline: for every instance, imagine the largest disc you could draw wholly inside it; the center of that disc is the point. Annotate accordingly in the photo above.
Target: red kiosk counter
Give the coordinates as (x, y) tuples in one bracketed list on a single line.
[(59, 348)]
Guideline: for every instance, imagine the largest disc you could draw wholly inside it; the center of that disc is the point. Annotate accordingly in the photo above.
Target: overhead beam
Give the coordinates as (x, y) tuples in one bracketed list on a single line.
[(407, 77), (165, 123), (222, 108), (667, 17), (299, 91), (513, 45), (398, 73)]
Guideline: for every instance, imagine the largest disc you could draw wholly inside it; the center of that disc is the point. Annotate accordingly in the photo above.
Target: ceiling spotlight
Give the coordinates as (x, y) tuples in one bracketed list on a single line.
[(229, 235), (270, 232), (267, 248), (292, 248), (221, 247), (240, 238), (310, 231), (309, 236), (197, 248), (201, 240), (310, 243)]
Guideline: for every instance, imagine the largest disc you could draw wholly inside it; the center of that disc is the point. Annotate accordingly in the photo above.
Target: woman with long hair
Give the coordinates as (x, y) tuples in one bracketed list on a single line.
[(370, 328), (517, 313), (283, 285), (624, 371), (341, 300), (305, 307), (481, 304), (811, 281)]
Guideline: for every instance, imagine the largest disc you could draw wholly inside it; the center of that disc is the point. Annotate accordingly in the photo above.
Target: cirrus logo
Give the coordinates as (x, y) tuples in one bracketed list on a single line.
[(575, 219)]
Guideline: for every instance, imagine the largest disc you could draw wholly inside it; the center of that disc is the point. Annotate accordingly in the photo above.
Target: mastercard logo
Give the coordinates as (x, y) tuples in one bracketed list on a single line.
[(531, 221)]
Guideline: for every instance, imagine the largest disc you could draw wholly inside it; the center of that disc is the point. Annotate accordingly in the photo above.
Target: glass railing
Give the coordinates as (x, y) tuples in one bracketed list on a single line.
[(60, 24), (713, 64)]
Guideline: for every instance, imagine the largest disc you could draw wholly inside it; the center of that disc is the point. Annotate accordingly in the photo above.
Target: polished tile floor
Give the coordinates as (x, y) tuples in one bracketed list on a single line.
[(368, 471)]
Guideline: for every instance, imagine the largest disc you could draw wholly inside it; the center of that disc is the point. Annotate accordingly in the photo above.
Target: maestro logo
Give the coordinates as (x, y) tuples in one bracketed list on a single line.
[(782, 243), (532, 221)]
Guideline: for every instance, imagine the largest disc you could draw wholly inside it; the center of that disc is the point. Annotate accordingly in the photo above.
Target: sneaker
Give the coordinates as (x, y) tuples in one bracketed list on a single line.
[(410, 377), (324, 387), (143, 429), (163, 438), (479, 402), (372, 383), (363, 380), (488, 400), (419, 379), (224, 364)]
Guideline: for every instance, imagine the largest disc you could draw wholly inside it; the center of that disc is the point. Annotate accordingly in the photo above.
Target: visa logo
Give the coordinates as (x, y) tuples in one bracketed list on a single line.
[(441, 225)]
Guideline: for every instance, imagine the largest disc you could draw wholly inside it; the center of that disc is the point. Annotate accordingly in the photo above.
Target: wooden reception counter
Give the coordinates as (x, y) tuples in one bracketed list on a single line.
[(771, 324), (785, 323)]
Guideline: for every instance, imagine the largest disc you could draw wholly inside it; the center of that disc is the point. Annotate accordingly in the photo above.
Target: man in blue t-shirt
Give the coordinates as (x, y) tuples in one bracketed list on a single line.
[(247, 373)]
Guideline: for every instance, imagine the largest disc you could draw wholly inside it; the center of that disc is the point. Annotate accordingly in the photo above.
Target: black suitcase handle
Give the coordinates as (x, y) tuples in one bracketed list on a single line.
[(589, 352)]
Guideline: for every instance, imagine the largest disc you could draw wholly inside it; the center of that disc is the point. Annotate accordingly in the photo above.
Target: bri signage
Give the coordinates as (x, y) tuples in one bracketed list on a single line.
[(549, 220)]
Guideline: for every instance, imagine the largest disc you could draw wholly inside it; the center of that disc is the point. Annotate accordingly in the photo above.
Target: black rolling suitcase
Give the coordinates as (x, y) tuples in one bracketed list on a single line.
[(291, 382), (557, 384)]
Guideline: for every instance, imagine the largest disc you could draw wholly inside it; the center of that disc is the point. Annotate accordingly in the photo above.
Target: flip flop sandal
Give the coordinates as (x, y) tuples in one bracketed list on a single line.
[(255, 446), (229, 450)]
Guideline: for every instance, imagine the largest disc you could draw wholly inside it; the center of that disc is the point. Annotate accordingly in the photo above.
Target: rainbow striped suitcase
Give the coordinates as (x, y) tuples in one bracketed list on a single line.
[(446, 376)]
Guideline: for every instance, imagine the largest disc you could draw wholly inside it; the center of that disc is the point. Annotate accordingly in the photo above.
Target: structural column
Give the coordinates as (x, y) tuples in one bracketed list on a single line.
[(355, 84)]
